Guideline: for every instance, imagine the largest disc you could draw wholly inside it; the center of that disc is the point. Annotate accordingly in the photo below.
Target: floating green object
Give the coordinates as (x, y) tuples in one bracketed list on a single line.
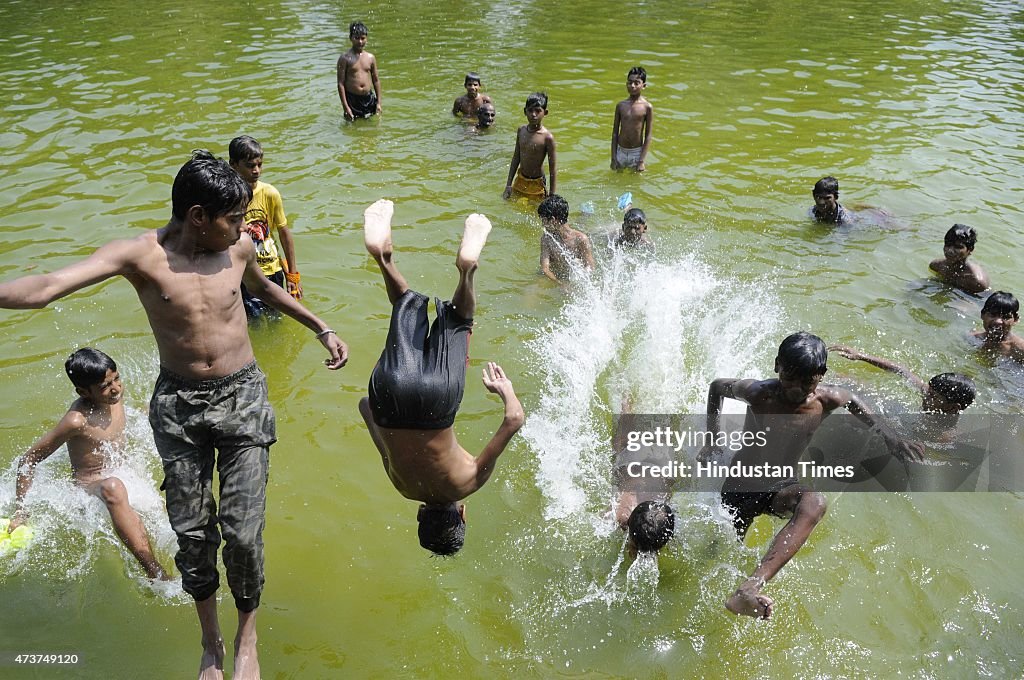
[(15, 540)]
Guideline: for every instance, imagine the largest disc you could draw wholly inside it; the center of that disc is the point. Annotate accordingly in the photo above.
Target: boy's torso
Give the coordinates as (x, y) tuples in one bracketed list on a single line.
[(357, 73), (532, 150), (103, 432), (632, 115)]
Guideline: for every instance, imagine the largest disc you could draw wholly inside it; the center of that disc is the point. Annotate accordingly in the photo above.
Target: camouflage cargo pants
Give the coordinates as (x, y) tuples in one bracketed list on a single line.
[(190, 420)]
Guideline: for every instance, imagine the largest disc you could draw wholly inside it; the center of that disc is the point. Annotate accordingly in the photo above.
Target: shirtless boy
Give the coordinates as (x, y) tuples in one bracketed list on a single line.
[(91, 427), (417, 386), (468, 104), (954, 268), (999, 315), (633, 234), (561, 247), (641, 503), (798, 394), (533, 143), (210, 393), (358, 84), (631, 130), (826, 206)]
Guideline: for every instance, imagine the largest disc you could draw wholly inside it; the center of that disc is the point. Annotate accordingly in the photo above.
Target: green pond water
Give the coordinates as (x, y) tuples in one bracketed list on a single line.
[(916, 106)]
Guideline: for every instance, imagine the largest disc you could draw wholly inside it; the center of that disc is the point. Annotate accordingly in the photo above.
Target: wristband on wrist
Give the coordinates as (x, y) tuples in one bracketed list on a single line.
[(292, 277), (323, 333)]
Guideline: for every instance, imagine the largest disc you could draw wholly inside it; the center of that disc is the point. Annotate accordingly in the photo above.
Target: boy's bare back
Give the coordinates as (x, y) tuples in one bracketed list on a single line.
[(556, 251)]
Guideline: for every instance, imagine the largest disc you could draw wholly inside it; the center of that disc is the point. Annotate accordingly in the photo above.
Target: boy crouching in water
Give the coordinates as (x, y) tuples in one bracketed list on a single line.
[(798, 394), (94, 422)]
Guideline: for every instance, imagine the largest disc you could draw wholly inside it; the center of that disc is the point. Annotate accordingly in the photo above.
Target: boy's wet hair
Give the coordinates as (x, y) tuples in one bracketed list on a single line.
[(955, 388), (442, 530), (357, 28), (638, 71), (209, 182), (88, 367), (651, 525), (804, 354), (471, 77), (244, 148), (634, 216), (537, 99), (1002, 304), (554, 208), (961, 234), (826, 185)]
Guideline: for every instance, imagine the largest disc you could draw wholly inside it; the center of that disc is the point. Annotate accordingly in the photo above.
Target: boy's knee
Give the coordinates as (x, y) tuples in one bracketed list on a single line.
[(113, 491)]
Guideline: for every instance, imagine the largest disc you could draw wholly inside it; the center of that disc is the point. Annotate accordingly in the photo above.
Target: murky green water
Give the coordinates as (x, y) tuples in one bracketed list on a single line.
[(915, 106)]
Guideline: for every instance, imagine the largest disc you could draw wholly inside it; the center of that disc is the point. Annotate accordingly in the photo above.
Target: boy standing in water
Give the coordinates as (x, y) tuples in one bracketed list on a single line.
[(210, 394), (561, 246), (631, 129), (954, 268), (533, 143), (799, 395), (417, 386), (264, 219), (92, 426), (999, 315), (358, 84), (468, 104)]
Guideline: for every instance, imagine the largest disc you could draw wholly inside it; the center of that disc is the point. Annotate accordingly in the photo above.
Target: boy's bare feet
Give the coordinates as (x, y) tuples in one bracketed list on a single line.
[(211, 666), (473, 239), (377, 228), (749, 601), (247, 664)]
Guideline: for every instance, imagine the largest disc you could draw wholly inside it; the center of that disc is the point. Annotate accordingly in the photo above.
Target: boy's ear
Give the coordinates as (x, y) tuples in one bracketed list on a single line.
[(196, 215), (776, 364), (81, 391)]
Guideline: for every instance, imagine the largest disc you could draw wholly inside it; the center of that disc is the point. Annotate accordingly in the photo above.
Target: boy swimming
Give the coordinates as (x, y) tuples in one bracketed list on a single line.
[(561, 247), (826, 206), (533, 143), (93, 424), (484, 116), (799, 395), (953, 268), (631, 129), (999, 315), (358, 83), (633, 233), (641, 506), (468, 104), (417, 386)]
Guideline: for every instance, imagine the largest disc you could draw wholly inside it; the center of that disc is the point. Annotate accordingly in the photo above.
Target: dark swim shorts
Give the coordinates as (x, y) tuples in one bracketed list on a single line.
[(362, 105), (418, 382), (746, 505)]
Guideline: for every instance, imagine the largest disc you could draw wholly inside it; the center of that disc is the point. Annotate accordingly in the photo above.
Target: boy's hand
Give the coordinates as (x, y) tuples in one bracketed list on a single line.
[(846, 352), (615, 166), (496, 381), (348, 114), (16, 521), (294, 289), (906, 450), (508, 191), (338, 350), (641, 166), (378, 107)]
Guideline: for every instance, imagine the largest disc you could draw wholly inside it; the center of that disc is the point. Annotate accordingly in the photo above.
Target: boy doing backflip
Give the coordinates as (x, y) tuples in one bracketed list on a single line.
[(798, 395), (264, 220), (417, 386), (210, 394), (631, 129), (92, 426), (533, 143), (953, 268), (358, 84), (468, 104)]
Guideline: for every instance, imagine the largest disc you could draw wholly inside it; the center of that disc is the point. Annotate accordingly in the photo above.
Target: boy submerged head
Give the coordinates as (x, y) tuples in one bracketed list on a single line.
[(95, 377), (651, 525), (948, 393), (485, 116), (999, 315), (442, 527), (634, 230), (826, 201)]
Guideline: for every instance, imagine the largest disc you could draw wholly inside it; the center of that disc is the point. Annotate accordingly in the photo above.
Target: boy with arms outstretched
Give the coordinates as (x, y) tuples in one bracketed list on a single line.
[(468, 104), (94, 423), (264, 219), (631, 129), (210, 393), (798, 394), (358, 84), (533, 143), (953, 268), (417, 386)]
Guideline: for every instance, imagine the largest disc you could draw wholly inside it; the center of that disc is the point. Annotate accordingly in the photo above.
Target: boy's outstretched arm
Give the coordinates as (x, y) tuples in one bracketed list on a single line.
[(720, 388), (648, 123), (878, 362), (495, 381), (276, 297), (513, 166), (37, 291), (899, 447), (549, 145), (69, 425), (615, 136)]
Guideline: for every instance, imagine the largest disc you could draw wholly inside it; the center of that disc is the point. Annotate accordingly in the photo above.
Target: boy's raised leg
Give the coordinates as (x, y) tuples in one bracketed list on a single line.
[(211, 666), (128, 525), (473, 239), (247, 665), (377, 237)]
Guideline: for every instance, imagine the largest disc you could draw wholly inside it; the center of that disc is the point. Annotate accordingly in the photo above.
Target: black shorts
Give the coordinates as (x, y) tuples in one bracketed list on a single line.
[(746, 505), (418, 382), (362, 105)]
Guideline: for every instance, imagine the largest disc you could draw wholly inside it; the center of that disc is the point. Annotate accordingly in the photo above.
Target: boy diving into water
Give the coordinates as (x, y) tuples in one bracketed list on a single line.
[(417, 385)]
